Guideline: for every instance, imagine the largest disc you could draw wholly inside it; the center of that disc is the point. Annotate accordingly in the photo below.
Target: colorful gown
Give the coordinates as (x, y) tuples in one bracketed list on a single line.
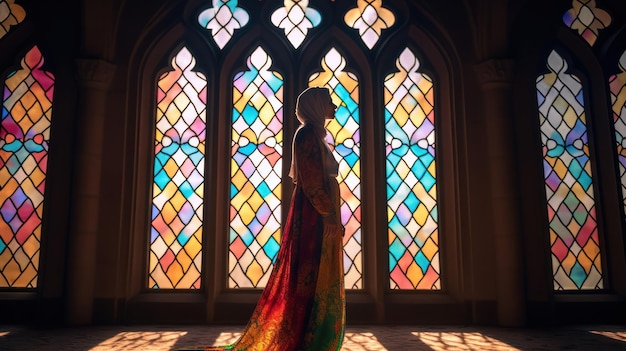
[(303, 305)]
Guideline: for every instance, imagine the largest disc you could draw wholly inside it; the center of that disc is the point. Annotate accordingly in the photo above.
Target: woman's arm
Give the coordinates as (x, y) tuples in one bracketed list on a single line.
[(310, 171)]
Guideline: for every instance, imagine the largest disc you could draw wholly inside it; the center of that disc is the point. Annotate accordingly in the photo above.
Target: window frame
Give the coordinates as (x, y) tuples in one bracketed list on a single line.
[(375, 301)]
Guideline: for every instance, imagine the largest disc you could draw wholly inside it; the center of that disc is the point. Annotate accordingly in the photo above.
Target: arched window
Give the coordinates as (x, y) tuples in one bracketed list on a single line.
[(581, 162), (24, 143), (411, 177), (178, 187), (256, 173), (218, 205), (571, 207), (568, 157), (344, 134), (256, 169)]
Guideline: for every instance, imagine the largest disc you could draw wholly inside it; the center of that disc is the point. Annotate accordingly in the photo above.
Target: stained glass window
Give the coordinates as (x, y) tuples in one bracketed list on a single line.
[(576, 259), (256, 172), (10, 15), (585, 18), (345, 140), (223, 19), (369, 18), (411, 178), (24, 142), (617, 85), (296, 18), (178, 188)]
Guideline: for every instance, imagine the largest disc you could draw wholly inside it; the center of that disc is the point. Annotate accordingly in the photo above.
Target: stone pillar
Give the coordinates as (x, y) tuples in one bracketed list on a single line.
[(495, 79), (94, 78)]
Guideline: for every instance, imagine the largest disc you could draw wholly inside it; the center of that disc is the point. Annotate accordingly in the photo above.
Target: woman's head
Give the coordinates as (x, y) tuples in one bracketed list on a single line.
[(313, 106)]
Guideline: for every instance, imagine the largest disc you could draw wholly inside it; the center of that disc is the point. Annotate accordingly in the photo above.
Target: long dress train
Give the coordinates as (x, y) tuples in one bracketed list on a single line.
[(303, 304)]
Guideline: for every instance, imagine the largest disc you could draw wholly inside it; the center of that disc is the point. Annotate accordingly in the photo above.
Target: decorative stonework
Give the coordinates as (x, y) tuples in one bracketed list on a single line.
[(95, 73), (495, 71)]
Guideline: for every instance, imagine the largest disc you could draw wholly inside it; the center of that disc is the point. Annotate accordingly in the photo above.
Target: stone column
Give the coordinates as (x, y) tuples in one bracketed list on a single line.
[(495, 80), (94, 78)]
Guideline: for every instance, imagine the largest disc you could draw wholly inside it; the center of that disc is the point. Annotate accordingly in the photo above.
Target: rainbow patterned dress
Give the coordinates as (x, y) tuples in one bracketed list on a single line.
[(303, 305)]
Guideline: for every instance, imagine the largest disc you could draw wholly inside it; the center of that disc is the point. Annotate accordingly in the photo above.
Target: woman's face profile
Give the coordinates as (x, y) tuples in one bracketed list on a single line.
[(330, 113)]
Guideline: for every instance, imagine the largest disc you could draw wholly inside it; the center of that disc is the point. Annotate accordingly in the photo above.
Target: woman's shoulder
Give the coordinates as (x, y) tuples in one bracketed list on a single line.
[(304, 132)]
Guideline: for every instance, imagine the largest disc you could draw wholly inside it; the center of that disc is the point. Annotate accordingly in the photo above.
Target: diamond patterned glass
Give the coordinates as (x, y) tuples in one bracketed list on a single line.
[(10, 15), (223, 19), (178, 190), (256, 172), (576, 259), (585, 18), (369, 18), (617, 84), (24, 142), (411, 178), (345, 140), (296, 18)]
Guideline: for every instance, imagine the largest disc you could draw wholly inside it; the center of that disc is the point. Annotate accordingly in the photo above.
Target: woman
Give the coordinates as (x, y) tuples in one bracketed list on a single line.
[(303, 305)]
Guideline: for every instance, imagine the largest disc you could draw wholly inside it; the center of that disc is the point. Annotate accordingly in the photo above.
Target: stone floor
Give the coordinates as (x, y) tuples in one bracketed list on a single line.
[(361, 338)]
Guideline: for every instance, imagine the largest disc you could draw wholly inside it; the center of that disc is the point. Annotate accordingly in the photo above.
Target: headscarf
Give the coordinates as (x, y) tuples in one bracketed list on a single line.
[(311, 109), (312, 106)]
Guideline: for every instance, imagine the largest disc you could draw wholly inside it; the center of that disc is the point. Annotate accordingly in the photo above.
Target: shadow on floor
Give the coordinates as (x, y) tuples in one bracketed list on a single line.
[(358, 338)]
